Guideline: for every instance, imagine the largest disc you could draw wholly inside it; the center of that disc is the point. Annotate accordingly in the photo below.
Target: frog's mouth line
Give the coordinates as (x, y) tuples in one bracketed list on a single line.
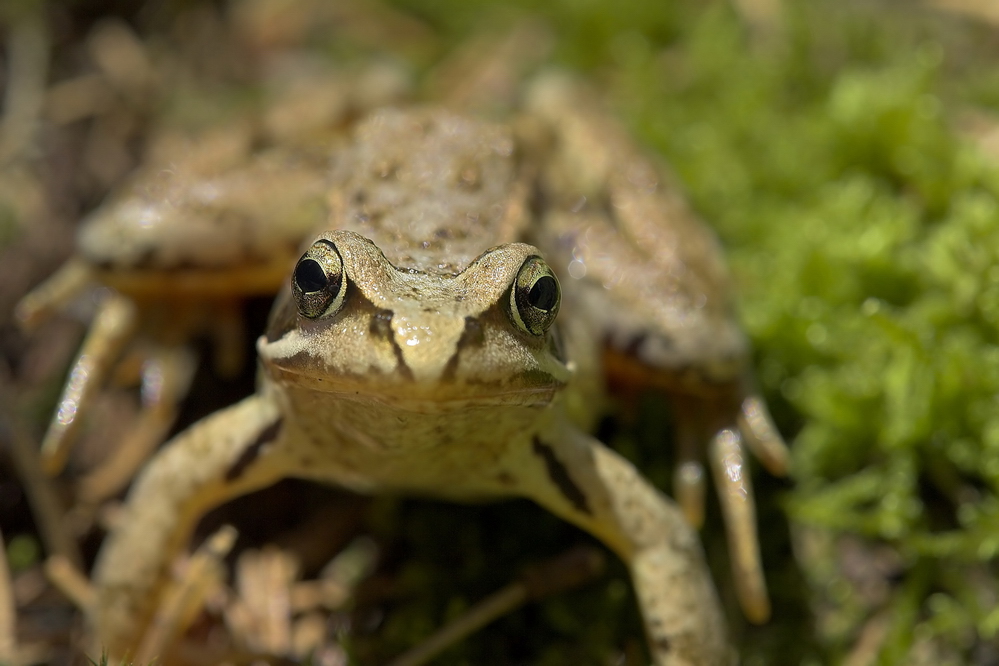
[(526, 389)]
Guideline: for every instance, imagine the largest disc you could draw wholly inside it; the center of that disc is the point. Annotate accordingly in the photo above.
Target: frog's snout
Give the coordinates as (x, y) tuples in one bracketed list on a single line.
[(427, 346)]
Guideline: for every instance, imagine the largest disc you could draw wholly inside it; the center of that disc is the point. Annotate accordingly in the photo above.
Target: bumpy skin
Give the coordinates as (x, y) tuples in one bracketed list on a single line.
[(422, 377)]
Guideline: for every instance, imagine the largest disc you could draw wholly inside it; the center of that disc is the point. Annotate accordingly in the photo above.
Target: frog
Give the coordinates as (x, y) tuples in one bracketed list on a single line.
[(415, 349)]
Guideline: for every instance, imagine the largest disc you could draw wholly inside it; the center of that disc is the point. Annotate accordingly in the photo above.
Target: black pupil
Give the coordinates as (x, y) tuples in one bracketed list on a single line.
[(544, 293), (310, 276)]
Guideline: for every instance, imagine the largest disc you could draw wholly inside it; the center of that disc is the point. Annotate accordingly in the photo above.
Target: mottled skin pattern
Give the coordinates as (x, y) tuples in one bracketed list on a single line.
[(437, 208), (418, 373)]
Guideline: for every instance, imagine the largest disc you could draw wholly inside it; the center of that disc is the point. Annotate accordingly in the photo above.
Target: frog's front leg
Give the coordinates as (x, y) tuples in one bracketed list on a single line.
[(223, 456), (581, 480)]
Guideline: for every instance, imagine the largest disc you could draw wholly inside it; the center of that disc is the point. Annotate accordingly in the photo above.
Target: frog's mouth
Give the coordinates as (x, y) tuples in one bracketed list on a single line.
[(526, 390), (520, 379)]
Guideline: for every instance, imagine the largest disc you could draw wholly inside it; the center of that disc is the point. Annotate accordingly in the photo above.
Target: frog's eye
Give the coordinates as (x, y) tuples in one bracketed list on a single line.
[(318, 283), (535, 297)]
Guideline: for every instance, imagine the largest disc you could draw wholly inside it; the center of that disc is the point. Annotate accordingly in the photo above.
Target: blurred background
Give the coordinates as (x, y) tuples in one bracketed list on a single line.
[(846, 152)]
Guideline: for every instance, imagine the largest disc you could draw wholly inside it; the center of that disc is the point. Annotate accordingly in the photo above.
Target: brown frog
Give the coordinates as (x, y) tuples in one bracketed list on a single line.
[(416, 349)]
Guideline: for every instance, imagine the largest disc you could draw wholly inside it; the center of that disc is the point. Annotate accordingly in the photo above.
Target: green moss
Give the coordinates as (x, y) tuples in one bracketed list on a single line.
[(862, 235)]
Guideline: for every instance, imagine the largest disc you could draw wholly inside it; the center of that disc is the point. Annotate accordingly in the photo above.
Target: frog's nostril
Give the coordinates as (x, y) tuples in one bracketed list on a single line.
[(310, 276)]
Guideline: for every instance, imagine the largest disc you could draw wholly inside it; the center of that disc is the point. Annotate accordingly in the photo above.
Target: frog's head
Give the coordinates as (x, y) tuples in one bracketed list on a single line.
[(355, 325)]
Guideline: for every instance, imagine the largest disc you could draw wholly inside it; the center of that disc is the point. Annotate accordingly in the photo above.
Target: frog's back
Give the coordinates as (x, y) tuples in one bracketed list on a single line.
[(431, 188)]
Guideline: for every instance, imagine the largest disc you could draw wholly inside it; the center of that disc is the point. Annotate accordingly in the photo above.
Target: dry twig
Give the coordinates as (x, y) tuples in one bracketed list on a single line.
[(28, 55), (8, 610), (71, 582), (186, 596), (48, 511), (570, 569)]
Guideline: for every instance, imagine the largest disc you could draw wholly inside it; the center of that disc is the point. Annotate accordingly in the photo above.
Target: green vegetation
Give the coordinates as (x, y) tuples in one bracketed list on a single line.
[(22, 552)]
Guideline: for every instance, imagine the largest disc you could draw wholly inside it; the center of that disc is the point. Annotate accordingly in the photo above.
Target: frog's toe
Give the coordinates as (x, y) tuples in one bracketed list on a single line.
[(166, 377), (762, 437), (735, 493), (688, 488), (53, 294), (112, 328)]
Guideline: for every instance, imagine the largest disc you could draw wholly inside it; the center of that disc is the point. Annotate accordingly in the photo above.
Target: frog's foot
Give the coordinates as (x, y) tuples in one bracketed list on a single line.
[(112, 328), (649, 278), (735, 494), (726, 454), (757, 431), (688, 474), (166, 378), (53, 294), (762, 436)]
